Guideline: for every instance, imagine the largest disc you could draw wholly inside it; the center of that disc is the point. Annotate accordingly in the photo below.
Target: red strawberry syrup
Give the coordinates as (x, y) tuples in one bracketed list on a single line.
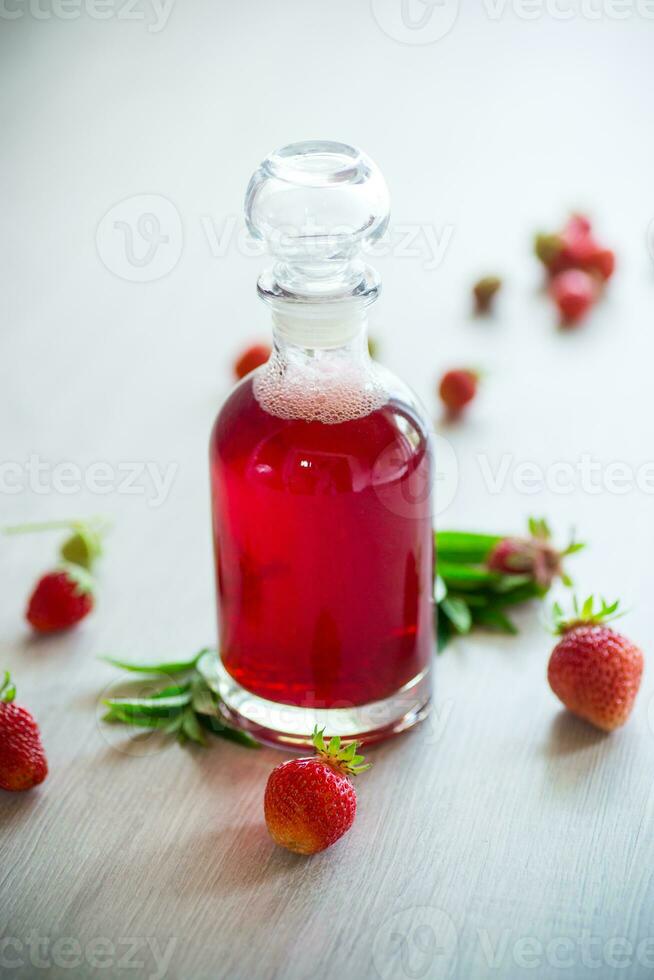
[(324, 555)]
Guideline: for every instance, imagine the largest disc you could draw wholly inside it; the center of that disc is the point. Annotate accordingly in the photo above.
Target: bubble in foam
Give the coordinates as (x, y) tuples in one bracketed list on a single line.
[(320, 391)]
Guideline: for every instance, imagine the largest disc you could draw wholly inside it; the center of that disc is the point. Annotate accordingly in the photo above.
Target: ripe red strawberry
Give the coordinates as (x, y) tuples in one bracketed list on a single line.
[(575, 248), (574, 292), (310, 803), (22, 759), (593, 670), (61, 599), (534, 556), (578, 225), (602, 262), (250, 359), (457, 388)]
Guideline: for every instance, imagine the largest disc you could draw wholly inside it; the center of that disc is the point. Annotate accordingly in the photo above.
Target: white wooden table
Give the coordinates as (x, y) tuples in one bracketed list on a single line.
[(501, 839)]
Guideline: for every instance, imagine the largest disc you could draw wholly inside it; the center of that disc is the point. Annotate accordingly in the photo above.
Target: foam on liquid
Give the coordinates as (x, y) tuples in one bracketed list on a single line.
[(324, 390)]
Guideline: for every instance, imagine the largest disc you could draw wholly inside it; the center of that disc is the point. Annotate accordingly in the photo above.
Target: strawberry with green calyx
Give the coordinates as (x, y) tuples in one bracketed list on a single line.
[(574, 247), (22, 759), (61, 599), (84, 544), (179, 701), (594, 670), (471, 592), (310, 803), (534, 556)]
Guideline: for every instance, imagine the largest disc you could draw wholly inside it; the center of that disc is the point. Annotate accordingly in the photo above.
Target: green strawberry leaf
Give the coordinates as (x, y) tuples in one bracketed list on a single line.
[(495, 619), (466, 576), (155, 707), (460, 547), (191, 727), (167, 667), (458, 613), (171, 691), (116, 716), (219, 728), (186, 709)]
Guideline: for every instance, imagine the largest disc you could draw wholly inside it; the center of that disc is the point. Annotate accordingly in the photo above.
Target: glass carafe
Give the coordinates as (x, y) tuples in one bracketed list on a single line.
[(320, 477)]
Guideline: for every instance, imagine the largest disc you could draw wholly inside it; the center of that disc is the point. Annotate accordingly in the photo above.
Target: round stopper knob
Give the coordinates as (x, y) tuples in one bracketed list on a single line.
[(316, 205)]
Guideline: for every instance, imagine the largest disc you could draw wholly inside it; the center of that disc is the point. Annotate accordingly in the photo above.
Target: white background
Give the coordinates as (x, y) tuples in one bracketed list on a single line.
[(524, 820)]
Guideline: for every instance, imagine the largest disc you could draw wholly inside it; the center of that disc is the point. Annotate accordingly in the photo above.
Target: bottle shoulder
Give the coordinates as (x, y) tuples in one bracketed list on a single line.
[(243, 415), (315, 457)]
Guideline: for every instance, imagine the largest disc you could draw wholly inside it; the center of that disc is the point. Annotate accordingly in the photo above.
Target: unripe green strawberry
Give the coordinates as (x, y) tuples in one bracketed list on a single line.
[(484, 291)]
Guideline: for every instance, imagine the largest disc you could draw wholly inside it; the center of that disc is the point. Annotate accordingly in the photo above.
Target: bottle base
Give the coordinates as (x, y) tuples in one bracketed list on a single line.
[(290, 725)]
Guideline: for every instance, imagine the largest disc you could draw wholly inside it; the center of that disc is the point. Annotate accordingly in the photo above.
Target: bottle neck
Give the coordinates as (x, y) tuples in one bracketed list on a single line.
[(317, 334), (320, 369)]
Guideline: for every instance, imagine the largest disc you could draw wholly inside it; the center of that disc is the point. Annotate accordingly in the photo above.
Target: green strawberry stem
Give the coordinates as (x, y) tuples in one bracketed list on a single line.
[(84, 544), (7, 689), (341, 757), (585, 614), (69, 524)]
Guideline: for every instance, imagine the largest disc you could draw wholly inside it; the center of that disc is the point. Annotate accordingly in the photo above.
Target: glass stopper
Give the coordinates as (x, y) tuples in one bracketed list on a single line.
[(317, 205)]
